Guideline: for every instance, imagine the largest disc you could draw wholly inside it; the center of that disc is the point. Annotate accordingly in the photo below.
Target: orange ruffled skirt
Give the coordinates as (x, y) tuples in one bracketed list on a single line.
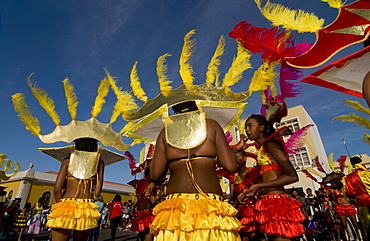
[(279, 214), (74, 213), (142, 220), (247, 216), (345, 210), (191, 216)]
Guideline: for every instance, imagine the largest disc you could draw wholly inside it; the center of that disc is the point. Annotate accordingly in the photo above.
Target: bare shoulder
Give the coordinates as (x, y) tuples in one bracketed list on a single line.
[(213, 124), (275, 147)]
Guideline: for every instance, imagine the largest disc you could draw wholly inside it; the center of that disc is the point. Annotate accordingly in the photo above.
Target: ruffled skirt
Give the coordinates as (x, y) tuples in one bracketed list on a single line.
[(279, 214), (247, 216), (142, 220), (194, 217), (345, 210), (74, 213)]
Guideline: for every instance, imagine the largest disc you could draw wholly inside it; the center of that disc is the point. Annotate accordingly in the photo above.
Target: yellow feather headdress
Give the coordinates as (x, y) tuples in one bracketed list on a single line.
[(7, 164), (91, 128), (211, 97)]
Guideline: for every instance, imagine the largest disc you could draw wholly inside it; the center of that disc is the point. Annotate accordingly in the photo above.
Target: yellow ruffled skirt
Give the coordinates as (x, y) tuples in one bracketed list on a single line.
[(194, 217), (74, 213)]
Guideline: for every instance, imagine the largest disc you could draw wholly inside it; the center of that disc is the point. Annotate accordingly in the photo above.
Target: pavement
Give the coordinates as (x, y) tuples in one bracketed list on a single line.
[(104, 235)]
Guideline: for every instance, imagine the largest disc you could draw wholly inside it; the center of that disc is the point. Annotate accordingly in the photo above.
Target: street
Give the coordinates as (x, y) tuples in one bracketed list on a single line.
[(104, 235)]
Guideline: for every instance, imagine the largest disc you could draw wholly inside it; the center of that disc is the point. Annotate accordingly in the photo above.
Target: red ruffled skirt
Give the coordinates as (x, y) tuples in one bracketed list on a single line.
[(280, 214), (247, 216), (142, 220), (345, 210)]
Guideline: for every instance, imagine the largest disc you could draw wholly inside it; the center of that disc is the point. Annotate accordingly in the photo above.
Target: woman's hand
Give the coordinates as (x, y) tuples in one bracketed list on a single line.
[(252, 191)]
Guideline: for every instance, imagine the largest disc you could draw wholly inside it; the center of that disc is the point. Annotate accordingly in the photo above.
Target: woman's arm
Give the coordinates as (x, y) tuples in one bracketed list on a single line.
[(99, 178), (58, 188), (289, 175), (158, 166)]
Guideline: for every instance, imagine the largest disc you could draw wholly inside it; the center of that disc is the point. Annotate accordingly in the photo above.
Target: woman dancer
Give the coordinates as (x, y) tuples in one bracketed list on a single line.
[(279, 215)]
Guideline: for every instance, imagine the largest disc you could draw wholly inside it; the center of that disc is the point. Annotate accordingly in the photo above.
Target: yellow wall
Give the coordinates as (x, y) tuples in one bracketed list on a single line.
[(11, 186), (37, 189)]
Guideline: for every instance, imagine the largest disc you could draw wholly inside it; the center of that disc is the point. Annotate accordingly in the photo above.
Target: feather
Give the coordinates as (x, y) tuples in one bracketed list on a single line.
[(350, 168), (331, 161), (125, 101), (16, 168), (357, 106), (127, 127), (186, 70), (164, 82), (131, 160), (213, 72), (342, 162), (238, 66), (135, 141), (319, 165), (3, 158), (296, 141), (44, 100), (150, 152), (309, 175), (71, 98), (334, 3), (103, 90), (8, 166), (228, 136), (20, 106), (299, 20), (358, 120), (135, 84), (367, 138), (263, 77), (313, 171)]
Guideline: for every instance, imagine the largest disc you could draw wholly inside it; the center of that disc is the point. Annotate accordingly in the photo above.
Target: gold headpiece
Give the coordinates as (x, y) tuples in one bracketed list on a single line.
[(91, 128), (217, 102)]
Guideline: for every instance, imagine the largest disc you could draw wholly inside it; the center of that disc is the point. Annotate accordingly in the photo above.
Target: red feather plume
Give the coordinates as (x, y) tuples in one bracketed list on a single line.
[(319, 165), (342, 160), (309, 175)]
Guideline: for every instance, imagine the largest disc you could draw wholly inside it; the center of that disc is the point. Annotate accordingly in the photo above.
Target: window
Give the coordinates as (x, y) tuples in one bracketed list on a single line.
[(47, 197)]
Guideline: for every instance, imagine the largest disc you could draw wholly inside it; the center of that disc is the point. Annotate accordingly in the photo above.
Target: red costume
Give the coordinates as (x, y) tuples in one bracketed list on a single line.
[(142, 219), (277, 213), (340, 209)]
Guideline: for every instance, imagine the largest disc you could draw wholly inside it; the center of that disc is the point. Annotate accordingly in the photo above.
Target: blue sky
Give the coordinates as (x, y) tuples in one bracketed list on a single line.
[(78, 38)]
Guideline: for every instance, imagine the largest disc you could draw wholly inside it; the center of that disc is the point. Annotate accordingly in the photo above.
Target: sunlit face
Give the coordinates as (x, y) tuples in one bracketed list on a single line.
[(253, 129)]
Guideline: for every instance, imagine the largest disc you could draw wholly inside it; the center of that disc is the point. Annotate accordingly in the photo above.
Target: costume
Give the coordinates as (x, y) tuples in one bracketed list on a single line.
[(340, 209), (73, 212), (246, 210), (210, 219), (142, 219), (192, 216), (21, 221), (277, 213)]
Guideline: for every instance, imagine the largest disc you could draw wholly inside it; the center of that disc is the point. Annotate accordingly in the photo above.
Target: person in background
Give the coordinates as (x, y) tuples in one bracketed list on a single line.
[(357, 185), (278, 214), (94, 232), (35, 224), (115, 217), (20, 223)]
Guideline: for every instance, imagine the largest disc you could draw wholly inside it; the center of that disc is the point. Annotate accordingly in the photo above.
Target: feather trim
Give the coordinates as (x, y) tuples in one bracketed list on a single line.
[(331, 161), (186, 70), (313, 171), (135, 84), (334, 3), (342, 162), (299, 20), (319, 165), (296, 141), (358, 120), (309, 175), (20, 106), (71, 98), (125, 101), (357, 106), (103, 90), (238, 66), (263, 77), (229, 137), (131, 160), (44, 100), (163, 80), (213, 73)]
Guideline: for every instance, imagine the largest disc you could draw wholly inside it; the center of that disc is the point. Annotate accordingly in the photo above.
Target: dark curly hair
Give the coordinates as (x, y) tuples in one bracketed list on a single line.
[(261, 120)]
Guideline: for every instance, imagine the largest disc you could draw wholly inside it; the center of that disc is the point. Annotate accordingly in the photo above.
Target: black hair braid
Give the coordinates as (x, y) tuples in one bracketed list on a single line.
[(261, 120)]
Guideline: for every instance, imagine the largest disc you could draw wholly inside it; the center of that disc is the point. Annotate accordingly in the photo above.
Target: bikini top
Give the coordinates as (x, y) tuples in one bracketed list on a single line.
[(264, 159)]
